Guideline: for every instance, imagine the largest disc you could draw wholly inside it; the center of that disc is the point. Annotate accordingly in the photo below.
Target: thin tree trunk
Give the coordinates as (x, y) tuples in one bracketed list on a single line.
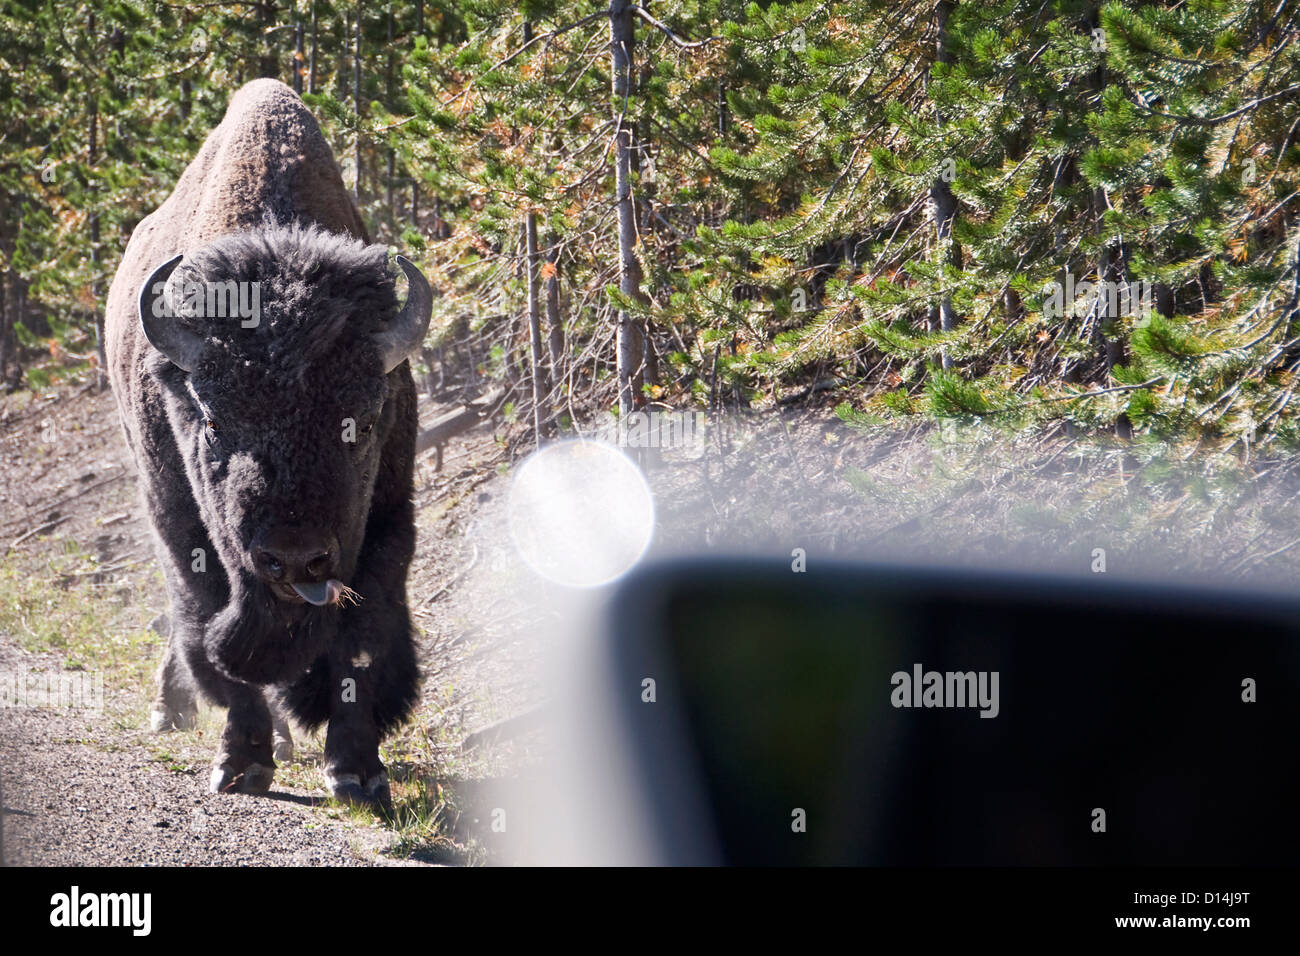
[(644, 220), (356, 102), (541, 388), (92, 158), (629, 346), (945, 203), (4, 327), (1011, 305), (388, 101), (1112, 274), (1164, 297), (311, 62), (537, 370), (268, 63), (1066, 175), (297, 52), (554, 324)]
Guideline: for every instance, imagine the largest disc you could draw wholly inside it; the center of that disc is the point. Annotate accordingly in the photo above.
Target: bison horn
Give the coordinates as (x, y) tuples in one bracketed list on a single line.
[(181, 346), (405, 333)]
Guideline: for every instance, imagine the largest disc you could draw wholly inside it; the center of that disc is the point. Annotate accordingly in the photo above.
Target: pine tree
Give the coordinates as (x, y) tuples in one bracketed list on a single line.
[(722, 203)]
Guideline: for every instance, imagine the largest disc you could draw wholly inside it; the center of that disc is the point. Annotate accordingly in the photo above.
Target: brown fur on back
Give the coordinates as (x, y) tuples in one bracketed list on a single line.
[(267, 160)]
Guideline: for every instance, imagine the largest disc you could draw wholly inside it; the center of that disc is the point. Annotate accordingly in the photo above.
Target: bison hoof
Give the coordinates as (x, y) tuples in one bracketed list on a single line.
[(163, 719), (377, 789), (282, 748), (255, 778), (348, 788)]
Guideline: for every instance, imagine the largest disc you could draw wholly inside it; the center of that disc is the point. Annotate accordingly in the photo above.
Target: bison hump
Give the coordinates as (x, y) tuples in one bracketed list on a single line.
[(268, 160)]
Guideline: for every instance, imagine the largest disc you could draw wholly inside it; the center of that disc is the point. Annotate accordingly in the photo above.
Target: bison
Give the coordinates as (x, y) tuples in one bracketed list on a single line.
[(275, 440)]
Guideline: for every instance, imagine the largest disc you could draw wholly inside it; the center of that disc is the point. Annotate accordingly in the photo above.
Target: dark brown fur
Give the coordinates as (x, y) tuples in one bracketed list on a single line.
[(251, 438)]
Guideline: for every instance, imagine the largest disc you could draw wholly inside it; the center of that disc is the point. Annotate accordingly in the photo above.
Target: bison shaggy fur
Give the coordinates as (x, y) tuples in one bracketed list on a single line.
[(275, 446)]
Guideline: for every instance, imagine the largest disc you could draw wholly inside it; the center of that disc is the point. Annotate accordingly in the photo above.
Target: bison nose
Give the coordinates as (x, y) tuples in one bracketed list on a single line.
[(294, 556)]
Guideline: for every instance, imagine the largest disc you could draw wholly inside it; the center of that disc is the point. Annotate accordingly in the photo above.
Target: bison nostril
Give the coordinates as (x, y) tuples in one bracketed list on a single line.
[(319, 565)]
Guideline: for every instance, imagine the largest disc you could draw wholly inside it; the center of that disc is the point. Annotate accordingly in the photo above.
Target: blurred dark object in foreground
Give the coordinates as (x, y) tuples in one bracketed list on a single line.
[(775, 700)]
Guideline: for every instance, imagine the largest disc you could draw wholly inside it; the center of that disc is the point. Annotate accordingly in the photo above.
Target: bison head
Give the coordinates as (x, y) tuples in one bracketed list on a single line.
[(275, 347)]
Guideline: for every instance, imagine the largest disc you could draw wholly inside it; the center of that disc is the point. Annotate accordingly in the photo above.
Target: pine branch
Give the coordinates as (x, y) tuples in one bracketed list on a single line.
[(645, 15), (1223, 118)]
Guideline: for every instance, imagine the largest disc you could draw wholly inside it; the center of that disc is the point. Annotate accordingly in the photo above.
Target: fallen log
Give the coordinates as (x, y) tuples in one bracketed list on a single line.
[(39, 529), (446, 428), (455, 423), (507, 729)]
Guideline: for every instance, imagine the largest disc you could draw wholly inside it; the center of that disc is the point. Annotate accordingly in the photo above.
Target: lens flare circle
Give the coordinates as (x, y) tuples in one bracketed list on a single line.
[(580, 513)]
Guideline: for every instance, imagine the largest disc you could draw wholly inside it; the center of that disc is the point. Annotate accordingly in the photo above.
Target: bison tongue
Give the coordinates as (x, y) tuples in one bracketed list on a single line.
[(320, 593)]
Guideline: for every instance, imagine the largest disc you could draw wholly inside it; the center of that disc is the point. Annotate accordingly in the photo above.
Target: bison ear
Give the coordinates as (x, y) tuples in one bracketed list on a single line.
[(405, 333), (181, 346)]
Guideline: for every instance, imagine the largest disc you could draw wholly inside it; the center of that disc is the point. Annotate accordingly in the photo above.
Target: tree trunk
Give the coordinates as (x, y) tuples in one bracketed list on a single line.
[(554, 324), (356, 102), (629, 346), (541, 388), (1112, 274), (6, 327), (268, 64), (311, 62), (388, 101), (1012, 307), (945, 203), (297, 52), (92, 158)]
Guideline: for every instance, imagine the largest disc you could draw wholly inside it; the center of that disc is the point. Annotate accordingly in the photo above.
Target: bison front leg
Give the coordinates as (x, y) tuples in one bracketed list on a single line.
[(244, 762), (371, 688), (353, 770), (375, 684), (244, 647)]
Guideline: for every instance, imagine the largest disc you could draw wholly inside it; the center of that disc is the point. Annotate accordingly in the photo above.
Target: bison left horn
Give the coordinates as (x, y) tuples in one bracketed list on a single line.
[(181, 346), (405, 333)]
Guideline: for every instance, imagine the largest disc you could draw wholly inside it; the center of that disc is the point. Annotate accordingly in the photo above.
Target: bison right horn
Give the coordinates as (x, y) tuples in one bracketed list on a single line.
[(404, 335), (181, 346)]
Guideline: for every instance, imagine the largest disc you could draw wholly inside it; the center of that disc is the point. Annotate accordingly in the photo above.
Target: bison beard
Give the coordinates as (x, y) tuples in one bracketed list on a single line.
[(236, 641), (276, 455)]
